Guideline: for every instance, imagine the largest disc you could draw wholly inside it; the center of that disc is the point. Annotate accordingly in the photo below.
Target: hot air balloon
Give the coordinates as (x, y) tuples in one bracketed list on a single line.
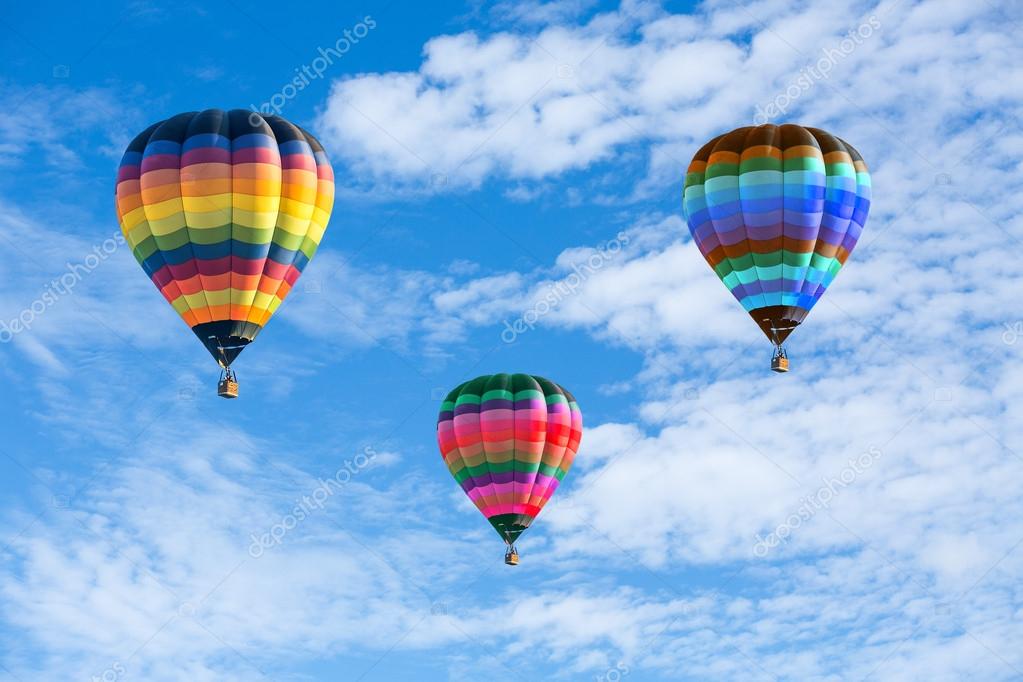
[(509, 440), (776, 211), (223, 210)]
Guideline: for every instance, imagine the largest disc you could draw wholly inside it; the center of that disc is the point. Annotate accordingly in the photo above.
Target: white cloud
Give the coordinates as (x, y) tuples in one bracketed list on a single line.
[(912, 570), (49, 125)]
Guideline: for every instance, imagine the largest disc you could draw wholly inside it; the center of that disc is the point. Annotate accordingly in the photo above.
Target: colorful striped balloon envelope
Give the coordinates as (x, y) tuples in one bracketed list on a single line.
[(223, 210), (509, 440), (776, 211)]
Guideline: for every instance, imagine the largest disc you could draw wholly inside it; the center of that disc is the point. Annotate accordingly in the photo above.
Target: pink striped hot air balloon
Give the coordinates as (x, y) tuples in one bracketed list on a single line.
[(509, 440)]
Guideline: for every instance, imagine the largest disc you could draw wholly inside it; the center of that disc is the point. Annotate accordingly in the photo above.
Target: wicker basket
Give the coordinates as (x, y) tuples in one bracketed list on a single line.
[(227, 388)]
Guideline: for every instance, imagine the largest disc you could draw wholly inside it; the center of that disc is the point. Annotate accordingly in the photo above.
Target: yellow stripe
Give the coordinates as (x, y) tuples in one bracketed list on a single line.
[(297, 226), (242, 296), (204, 298), (258, 204), (262, 300), (315, 233), (138, 234), (261, 220), (134, 217), (201, 221), (180, 305), (304, 193), (165, 226), (163, 209), (208, 203)]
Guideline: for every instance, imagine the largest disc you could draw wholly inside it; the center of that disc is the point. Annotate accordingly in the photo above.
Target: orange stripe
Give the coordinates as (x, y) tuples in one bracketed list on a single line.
[(216, 282), (268, 285), (128, 203), (257, 171), (245, 282), (220, 312), (161, 176), (201, 315), (760, 151), (802, 150), (259, 187), (203, 188), (837, 157), (298, 176), (128, 188), (723, 157), (205, 171)]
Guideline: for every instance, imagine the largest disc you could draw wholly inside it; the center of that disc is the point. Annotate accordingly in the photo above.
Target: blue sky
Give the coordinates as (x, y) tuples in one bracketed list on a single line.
[(481, 151)]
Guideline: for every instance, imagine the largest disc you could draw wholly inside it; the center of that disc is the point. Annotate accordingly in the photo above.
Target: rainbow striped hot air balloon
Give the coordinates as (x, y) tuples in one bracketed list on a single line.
[(776, 211), (223, 210), (509, 440)]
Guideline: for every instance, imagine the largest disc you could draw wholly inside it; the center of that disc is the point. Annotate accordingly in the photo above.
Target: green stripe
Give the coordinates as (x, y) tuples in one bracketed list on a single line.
[(721, 169), (760, 163), (462, 472)]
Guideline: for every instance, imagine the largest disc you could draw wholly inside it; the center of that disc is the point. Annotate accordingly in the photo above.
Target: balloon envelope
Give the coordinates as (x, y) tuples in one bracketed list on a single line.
[(223, 210), (509, 440), (776, 211)]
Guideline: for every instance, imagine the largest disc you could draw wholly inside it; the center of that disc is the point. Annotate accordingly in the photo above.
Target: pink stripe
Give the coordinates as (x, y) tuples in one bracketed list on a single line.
[(246, 266), (160, 162), (128, 173), (303, 161), (257, 155), (205, 155)]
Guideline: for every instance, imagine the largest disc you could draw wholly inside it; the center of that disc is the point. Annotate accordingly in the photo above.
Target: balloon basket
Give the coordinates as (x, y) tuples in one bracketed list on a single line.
[(511, 557), (228, 385), (780, 361)]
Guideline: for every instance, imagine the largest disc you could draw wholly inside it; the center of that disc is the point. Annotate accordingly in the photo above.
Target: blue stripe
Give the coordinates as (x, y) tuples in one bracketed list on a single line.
[(206, 140)]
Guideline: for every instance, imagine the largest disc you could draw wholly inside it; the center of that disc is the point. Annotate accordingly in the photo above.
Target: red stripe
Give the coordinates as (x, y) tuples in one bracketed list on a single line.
[(303, 161), (247, 266), (128, 173), (256, 155), (205, 155), (220, 266), (160, 162)]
